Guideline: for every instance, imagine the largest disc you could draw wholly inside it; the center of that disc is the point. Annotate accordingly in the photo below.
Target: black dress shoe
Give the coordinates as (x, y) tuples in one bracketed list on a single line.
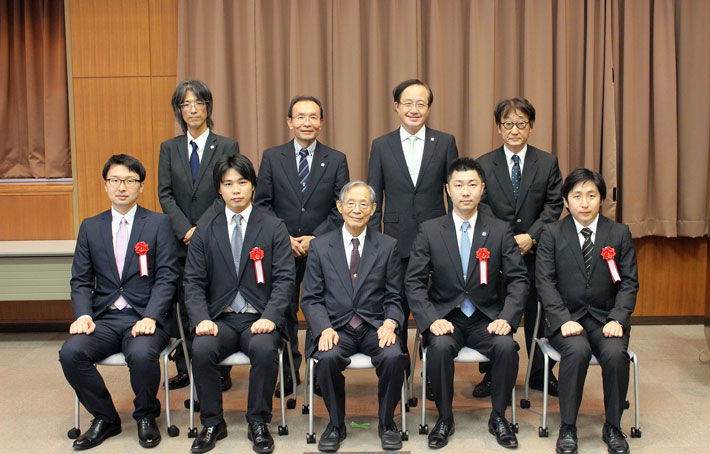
[(148, 432), (206, 440), (614, 439), (552, 385), (226, 383), (97, 433), (389, 436), (439, 435), (288, 385), (179, 381), (567, 439), (483, 389), (331, 438), (262, 441), (505, 436)]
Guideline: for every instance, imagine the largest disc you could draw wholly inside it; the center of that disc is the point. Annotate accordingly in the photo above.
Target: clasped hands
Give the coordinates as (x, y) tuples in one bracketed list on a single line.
[(208, 327), (300, 245), (611, 329)]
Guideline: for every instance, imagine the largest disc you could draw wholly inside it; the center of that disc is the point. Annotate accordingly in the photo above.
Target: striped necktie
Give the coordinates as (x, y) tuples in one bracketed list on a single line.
[(303, 170), (587, 248)]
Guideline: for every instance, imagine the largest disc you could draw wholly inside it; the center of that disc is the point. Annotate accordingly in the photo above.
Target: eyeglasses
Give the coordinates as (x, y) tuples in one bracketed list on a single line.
[(418, 105), (351, 204), (520, 124), (188, 105), (116, 182), (302, 118)]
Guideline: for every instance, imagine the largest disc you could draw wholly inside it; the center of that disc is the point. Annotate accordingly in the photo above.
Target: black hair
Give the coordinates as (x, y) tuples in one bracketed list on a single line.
[(463, 164), (238, 162), (509, 105), (202, 93), (583, 175), (132, 163), (397, 92), (304, 98)]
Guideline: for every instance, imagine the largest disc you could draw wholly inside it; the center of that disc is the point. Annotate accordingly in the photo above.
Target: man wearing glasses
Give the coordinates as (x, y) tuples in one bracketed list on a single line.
[(407, 170), (185, 188), (523, 188)]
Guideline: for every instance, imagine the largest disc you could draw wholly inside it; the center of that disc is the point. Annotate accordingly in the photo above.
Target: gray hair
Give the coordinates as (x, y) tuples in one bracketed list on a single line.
[(351, 185)]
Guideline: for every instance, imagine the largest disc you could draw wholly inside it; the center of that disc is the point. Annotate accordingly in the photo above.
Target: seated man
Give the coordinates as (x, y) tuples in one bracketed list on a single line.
[(587, 279), (124, 276), (239, 276), (354, 305), (466, 253)]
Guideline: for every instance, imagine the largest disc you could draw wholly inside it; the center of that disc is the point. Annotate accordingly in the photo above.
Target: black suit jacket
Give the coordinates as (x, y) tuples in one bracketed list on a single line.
[(435, 254), (181, 199), (539, 200), (407, 205), (95, 284), (211, 282), (567, 293), (328, 298), (277, 190)]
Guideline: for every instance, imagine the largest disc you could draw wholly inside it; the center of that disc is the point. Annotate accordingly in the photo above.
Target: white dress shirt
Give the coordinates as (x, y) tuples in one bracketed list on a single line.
[(231, 225), (309, 157), (592, 227), (413, 162), (200, 141), (509, 159), (348, 243), (458, 222)]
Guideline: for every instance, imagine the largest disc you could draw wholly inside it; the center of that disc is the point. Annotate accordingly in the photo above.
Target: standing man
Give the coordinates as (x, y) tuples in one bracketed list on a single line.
[(185, 187), (352, 302), (239, 277), (523, 190), (407, 170), (299, 182), (463, 306), (587, 278), (123, 279)]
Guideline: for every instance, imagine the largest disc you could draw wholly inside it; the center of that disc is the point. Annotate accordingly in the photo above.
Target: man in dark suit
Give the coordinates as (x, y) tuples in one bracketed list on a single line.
[(239, 277), (523, 189), (352, 305), (299, 182), (466, 254), (587, 279), (407, 170), (120, 302), (185, 187)]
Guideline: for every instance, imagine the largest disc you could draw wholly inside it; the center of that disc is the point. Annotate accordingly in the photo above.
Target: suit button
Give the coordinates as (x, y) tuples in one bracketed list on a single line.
[(194, 198), (120, 290), (303, 209), (518, 220), (589, 286)]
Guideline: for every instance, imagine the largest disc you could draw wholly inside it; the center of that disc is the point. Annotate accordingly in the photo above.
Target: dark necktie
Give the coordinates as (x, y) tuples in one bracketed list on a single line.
[(303, 170), (515, 176), (239, 304), (194, 161), (356, 320), (587, 248)]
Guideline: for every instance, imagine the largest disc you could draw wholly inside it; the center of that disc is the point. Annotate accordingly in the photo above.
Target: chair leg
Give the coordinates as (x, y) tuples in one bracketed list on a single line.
[(636, 430), (542, 430), (173, 431), (75, 431), (412, 401), (514, 423), (283, 428), (310, 436), (423, 427), (404, 432), (192, 430), (304, 408), (291, 403)]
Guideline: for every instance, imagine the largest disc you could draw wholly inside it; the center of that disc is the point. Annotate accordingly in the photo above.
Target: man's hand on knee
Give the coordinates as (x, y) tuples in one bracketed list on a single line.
[(206, 327), (82, 325), (500, 327), (143, 327), (571, 328), (328, 339), (441, 327), (262, 326)]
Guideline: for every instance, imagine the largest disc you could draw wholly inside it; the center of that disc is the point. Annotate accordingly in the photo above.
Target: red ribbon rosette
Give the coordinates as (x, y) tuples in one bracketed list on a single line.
[(608, 254), (483, 254), (142, 251), (256, 255)]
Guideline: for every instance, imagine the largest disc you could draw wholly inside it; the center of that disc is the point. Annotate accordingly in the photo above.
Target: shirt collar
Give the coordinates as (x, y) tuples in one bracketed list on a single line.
[(521, 154), (348, 238), (311, 148), (592, 226), (200, 141), (246, 212), (116, 216), (404, 135), (458, 221)]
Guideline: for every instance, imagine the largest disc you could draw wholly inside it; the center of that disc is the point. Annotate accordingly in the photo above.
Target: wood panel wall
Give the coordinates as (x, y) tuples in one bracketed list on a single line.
[(36, 212)]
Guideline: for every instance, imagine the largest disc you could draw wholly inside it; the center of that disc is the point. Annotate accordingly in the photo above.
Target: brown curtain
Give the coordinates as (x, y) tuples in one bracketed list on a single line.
[(619, 86), (34, 113)]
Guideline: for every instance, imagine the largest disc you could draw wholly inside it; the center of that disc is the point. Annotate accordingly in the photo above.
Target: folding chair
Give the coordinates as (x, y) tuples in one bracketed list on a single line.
[(549, 352), (357, 361)]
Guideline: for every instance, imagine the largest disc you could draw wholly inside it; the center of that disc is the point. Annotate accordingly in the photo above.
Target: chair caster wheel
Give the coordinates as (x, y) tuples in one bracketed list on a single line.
[(283, 430), (405, 435), (524, 403), (187, 404), (635, 432), (542, 432), (423, 430), (304, 409), (626, 405), (73, 433), (192, 433), (173, 431), (413, 402), (291, 404), (310, 438), (515, 427)]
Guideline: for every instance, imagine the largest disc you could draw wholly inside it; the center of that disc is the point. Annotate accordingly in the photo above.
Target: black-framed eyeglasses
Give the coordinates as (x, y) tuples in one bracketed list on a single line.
[(520, 124), (116, 182), (188, 105)]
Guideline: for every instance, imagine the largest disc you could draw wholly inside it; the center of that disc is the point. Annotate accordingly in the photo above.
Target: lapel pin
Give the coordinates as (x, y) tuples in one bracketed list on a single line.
[(211, 147), (322, 164), (432, 139), (484, 233)]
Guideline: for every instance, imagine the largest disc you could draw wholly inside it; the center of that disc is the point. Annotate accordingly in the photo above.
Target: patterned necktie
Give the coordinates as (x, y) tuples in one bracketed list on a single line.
[(303, 170), (239, 304), (412, 162), (194, 161), (467, 306), (356, 320), (515, 176), (120, 253), (587, 248)]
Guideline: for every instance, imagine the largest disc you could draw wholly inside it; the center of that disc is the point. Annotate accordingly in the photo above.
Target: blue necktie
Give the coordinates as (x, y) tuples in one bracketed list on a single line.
[(194, 161), (515, 176), (467, 306), (303, 170), (239, 304)]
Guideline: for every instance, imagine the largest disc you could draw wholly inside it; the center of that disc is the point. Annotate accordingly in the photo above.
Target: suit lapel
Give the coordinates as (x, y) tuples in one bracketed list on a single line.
[(448, 235), (570, 233), (369, 254), (529, 171), (603, 228), (430, 143), (340, 262), (318, 166), (106, 233), (136, 231), (398, 154), (207, 156), (503, 175), (221, 232), (253, 228), (183, 157), (288, 163), (480, 235)]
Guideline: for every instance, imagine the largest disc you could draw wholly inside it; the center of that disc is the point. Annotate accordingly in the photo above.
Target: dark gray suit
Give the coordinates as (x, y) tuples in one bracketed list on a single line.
[(539, 203), (329, 300), (435, 256), (95, 286), (569, 294)]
